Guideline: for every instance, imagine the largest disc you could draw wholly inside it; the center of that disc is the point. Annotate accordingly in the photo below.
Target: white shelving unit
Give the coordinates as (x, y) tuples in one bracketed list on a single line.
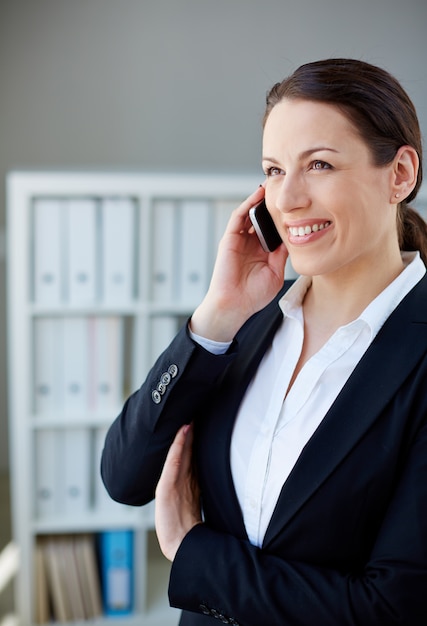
[(146, 264)]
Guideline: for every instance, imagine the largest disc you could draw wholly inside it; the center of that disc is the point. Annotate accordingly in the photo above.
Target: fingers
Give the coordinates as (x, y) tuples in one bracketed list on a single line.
[(240, 217), (178, 459)]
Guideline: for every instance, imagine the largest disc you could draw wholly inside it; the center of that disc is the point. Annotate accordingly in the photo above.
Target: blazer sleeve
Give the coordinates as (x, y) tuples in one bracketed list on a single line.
[(219, 575), (176, 388)]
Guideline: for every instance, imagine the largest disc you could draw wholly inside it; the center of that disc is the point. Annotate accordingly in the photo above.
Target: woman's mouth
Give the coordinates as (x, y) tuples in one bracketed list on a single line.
[(308, 229)]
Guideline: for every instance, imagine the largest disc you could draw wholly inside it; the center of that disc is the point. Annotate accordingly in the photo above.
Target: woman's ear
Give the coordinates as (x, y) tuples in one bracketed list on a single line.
[(404, 173)]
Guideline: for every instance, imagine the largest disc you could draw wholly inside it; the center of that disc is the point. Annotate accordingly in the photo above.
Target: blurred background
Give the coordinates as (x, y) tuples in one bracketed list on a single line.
[(171, 85)]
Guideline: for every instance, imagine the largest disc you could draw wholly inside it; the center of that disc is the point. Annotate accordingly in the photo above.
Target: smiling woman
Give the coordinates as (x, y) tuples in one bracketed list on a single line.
[(298, 494)]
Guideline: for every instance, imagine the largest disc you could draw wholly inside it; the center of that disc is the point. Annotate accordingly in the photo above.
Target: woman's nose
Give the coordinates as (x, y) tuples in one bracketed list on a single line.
[(292, 194)]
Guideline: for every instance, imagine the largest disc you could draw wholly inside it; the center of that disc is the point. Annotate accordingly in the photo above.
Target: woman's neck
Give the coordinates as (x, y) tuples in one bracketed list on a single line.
[(336, 300)]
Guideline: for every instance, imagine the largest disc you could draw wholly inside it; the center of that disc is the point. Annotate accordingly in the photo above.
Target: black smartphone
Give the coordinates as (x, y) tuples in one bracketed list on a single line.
[(264, 227)]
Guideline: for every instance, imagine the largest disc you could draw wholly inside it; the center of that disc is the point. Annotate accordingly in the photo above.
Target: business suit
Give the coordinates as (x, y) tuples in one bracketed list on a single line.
[(347, 543)]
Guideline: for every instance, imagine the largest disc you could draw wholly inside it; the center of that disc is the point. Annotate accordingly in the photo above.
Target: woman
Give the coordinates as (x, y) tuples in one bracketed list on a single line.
[(307, 405)]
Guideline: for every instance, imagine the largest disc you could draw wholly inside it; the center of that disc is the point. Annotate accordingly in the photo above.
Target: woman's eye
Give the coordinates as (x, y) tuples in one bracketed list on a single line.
[(274, 171), (320, 165)]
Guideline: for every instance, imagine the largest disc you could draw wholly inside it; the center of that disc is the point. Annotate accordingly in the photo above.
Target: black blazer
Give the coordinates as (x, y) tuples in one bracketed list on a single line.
[(347, 543)]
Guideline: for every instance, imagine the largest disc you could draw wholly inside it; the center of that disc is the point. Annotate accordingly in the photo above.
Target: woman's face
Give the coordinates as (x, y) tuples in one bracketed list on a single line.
[(331, 205)]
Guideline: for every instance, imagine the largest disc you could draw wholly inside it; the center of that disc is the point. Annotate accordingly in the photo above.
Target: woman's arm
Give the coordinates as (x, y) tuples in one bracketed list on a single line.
[(137, 442)]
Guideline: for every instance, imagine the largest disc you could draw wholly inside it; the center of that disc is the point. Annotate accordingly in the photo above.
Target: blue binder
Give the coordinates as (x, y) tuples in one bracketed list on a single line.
[(117, 572)]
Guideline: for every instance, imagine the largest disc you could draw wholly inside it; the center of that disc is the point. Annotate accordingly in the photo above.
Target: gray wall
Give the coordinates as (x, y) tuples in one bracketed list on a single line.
[(172, 84)]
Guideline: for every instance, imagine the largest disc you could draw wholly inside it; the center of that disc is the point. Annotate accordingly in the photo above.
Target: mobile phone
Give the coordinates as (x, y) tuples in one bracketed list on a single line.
[(264, 227)]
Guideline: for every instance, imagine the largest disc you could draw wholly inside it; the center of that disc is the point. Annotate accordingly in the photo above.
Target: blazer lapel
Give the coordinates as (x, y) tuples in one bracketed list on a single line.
[(381, 371)]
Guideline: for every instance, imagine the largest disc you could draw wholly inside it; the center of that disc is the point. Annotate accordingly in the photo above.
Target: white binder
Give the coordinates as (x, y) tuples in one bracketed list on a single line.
[(194, 251), (118, 250), (163, 250), (163, 330), (103, 502), (75, 363), (82, 251), (222, 210), (46, 473), (48, 365), (74, 470), (106, 349), (48, 244)]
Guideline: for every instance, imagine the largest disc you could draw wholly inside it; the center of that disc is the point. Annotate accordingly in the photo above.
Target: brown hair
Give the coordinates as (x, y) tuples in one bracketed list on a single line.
[(380, 110)]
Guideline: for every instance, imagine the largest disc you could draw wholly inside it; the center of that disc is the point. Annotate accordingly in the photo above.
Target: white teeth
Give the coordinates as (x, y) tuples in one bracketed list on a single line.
[(300, 231)]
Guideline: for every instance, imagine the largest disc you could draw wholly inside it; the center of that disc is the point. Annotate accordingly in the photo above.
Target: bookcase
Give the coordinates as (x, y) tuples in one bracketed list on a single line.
[(103, 268)]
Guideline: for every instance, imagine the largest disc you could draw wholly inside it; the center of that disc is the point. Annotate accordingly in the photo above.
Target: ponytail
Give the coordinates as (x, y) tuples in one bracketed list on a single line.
[(412, 231)]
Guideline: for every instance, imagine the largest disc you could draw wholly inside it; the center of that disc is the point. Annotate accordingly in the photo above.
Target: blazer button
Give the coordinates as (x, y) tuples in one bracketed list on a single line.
[(165, 378), (161, 388), (173, 370), (156, 397), (204, 609)]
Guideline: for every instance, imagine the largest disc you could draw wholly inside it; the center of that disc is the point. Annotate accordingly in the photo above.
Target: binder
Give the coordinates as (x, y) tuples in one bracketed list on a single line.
[(82, 251), (106, 350), (75, 364), (116, 560), (74, 471), (102, 500), (48, 245), (163, 330), (222, 210), (163, 250), (48, 365), (194, 251), (118, 250), (46, 473)]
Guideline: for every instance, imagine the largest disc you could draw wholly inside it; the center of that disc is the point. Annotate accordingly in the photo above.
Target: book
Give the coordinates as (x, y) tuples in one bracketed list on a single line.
[(88, 573), (56, 582), (41, 595)]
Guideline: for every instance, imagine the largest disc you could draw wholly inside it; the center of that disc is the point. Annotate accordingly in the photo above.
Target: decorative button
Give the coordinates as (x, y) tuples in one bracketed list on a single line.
[(157, 398), (165, 378), (161, 388), (204, 609), (173, 370)]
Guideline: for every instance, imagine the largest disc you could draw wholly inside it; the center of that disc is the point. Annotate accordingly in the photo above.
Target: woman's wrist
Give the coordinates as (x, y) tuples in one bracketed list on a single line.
[(215, 323)]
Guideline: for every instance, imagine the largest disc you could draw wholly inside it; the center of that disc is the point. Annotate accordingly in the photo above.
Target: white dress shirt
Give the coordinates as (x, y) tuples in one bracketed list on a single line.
[(271, 427)]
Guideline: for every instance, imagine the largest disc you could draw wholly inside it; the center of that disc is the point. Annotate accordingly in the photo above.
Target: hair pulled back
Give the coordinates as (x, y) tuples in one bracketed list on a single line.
[(381, 111)]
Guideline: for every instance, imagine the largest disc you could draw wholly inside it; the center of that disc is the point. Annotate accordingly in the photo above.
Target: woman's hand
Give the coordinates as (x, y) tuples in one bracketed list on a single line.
[(177, 506), (244, 280)]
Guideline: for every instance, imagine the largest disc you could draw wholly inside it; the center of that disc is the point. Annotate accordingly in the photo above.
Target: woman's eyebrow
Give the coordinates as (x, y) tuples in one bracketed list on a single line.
[(304, 154)]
